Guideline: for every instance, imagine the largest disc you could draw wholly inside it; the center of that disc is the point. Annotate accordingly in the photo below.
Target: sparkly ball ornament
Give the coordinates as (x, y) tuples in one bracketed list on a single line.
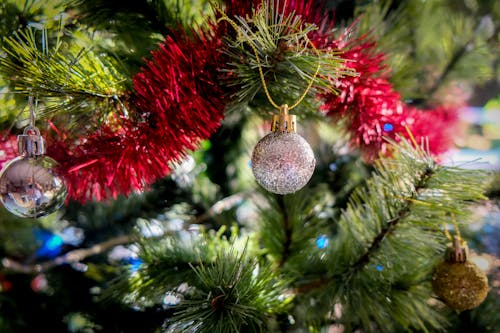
[(459, 282), (29, 186), (282, 161)]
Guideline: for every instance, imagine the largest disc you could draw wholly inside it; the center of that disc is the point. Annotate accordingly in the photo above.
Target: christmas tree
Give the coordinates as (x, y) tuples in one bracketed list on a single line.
[(246, 166)]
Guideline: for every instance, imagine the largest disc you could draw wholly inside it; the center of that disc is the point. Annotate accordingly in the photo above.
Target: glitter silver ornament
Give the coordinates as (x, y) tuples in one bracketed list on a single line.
[(282, 161), (29, 186)]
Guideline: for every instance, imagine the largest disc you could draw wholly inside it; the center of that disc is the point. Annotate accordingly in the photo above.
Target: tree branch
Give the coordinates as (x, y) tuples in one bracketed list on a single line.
[(377, 240), (80, 254), (67, 258), (220, 206), (391, 224), (288, 231), (455, 59), (449, 68)]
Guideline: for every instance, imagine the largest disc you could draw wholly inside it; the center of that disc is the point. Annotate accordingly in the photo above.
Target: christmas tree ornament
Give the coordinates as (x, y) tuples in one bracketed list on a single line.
[(459, 282), (29, 185), (282, 161)]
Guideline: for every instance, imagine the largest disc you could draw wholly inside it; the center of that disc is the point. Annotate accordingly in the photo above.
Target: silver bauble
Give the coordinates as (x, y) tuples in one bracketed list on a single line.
[(283, 163), (29, 186)]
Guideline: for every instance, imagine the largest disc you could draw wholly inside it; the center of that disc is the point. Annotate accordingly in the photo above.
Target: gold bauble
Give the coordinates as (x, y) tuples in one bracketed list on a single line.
[(461, 285)]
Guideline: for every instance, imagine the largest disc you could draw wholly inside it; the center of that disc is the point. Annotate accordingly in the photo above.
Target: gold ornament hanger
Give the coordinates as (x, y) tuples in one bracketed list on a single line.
[(283, 122), (457, 251)]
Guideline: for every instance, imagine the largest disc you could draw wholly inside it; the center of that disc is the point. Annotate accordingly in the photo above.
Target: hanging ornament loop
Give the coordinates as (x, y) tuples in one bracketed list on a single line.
[(31, 143), (31, 105), (284, 122), (259, 63), (459, 251)]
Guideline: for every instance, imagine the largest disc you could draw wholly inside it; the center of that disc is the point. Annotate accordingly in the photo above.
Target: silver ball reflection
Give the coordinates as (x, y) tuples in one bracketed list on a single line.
[(283, 163), (29, 187)]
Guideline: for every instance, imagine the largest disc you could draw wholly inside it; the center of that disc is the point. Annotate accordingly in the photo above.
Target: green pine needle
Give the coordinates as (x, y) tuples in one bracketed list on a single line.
[(66, 78), (160, 16), (289, 227), (235, 294), (165, 265), (285, 55), (390, 237), (426, 54), (152, 21)]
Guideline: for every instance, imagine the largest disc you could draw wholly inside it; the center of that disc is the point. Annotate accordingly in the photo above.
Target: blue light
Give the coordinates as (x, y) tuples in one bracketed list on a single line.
[(388, 127), (134, 264), (379, 268), (51, 244), (54, 243), (322, 242)]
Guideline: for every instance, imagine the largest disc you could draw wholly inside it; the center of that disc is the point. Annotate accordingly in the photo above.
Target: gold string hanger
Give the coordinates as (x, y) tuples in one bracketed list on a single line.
[(458, 251), (283, 108)]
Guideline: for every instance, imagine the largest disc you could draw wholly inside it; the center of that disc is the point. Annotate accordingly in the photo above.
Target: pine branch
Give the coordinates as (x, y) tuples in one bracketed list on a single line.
[(388, 236), (450, 66), (166, 266), (289, 227), (114, 13), (152, 20), (233, 295), (155, 16), (68, 80), (220, 287), (392, 224), (18, 15), (425, 52), (472, 44), (284, 54), (168, 262)]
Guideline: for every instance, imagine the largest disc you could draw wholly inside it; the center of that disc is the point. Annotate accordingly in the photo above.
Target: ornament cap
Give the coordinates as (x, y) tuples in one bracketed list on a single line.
[(31, 143), (284, 122), (458, 252)]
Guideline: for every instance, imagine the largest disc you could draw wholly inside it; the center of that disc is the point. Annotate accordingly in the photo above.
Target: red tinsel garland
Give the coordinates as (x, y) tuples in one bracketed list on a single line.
[(8, 149), (367, 102), (180, 104), (178, 100), (374, 110)]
